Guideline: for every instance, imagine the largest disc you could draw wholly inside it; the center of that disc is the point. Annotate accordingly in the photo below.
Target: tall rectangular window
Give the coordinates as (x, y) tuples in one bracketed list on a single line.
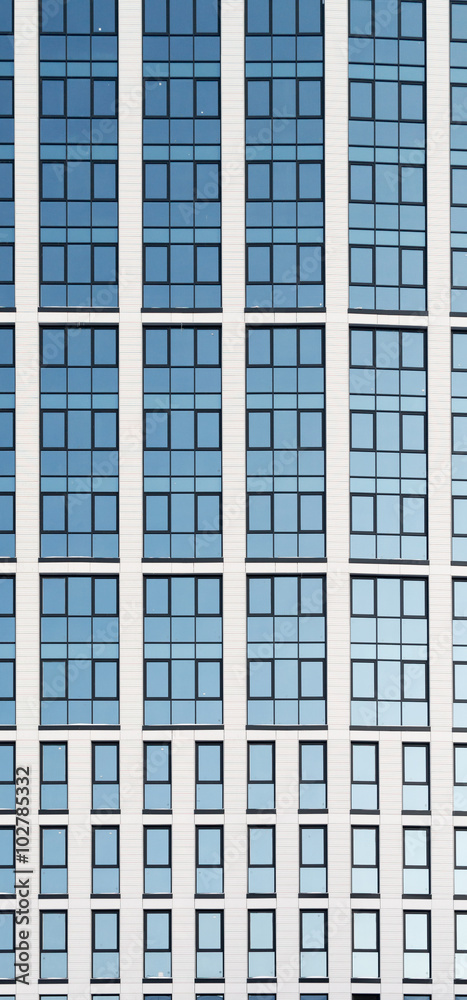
[(389, 650), (416, 777), (387, 152), (182, 442), (54, 777), (313, 860), (79, 650), (105, 945), (286, 650), (105, 777), (261, 944), (460, 958), (459, 435), (459, 652), (182, 155), (364, 777), (105, 860), (78, 155), (157, 944), (54, 944), (157, 860), (7, 651), (7, 777), (7, 861), (209, 776), (417, 945), (54, 860), (416, 858), (313, 776), (313, 944), (261, 860), (460, 778), (7, 154), (460, 862), (388, 444), (209, 944), (365, 944), (285, 443), (261, 777), (7, 419), (157, 776), (209, 860), (365, 860), (79, 442), (284, 155), (458, 158), (183, 650)]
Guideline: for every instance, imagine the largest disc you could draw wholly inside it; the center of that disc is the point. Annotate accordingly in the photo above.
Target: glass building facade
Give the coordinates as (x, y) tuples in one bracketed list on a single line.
[(233, 499)]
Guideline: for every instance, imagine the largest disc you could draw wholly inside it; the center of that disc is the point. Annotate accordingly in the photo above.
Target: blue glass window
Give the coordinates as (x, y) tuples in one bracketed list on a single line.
[(79, 442), (209, 776), (157, 860), (54, 777), (261, 777), (105, 860), (313, 860), (209, 860), (7, 651), (7, 153), (157, 777), (261, 860), (261, 944), (105, 945), (7, 945), (182, 443), (157, 944), (7, 777), (209, 944), (182, 155), (388, 444), (389, 636), (7, 437), (78, 154), (458, 156), (459, 652), (54, 860), (54, 944), (79, 650), (387, 146), (365, 944), (284, 155), (7, 861), (313, 777), (416, 776), (365, 860), (105, 777), (286, 651), (313, 944), (285, 443), (459, 444), (183, 650), (364, 777)]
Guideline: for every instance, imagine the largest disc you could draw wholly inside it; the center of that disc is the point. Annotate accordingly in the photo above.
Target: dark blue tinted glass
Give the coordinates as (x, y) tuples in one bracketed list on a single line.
[(182, 443), (389, 650), (284, 155), (78, 154), (7, 441), (285, 443), (388, 444), (387, 145), (79, 442), (181, 151), (7, 152), (79, 650), (286, 651), (183, 650)]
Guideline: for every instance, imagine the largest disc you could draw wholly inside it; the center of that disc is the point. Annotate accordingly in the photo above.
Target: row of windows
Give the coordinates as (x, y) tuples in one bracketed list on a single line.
[(210, 945), (209, 777), (183, 651), (182, 442), (209, 861)]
